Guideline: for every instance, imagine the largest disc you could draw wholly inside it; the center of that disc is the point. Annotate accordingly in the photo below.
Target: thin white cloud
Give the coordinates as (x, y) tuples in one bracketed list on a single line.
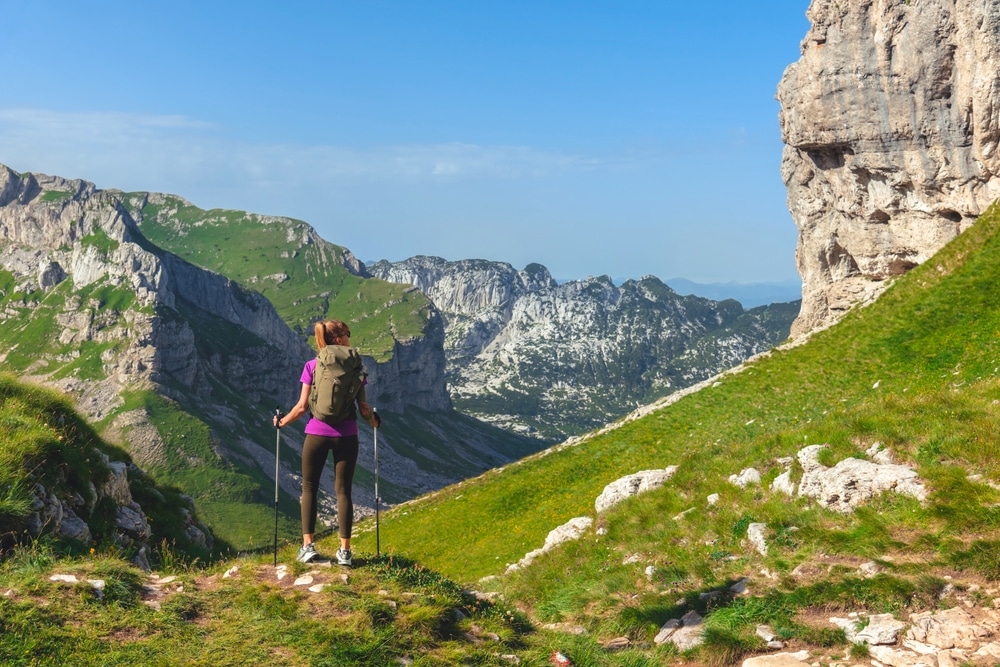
[(93, 124), (135, 151)]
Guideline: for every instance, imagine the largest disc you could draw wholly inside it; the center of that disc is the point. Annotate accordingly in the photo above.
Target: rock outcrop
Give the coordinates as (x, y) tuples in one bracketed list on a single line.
[(59, 515), (632, 485), (891, 125), (854, 481)]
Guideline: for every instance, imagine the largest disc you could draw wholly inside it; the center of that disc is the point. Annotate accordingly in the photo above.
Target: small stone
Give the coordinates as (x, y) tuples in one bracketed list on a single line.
[(765, 632), (568, 628), (778, 660), (755, 533), (869, 569), (667, 630), (617, 644), (747, 477)]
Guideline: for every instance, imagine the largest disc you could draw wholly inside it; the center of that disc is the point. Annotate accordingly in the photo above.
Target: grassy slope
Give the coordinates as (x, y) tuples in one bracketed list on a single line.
[(247, 249), (931, 345), (45, 441), (917, 371), (388, 610)]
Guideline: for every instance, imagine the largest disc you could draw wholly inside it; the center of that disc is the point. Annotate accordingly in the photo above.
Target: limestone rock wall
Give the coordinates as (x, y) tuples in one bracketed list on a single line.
[(890, 124)]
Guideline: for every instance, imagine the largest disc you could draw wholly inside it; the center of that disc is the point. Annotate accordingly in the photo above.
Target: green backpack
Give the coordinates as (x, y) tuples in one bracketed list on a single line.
[(337, 380)]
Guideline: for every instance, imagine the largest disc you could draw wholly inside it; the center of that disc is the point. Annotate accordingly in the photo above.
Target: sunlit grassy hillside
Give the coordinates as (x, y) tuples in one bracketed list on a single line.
[(917, 371), (305, 281)]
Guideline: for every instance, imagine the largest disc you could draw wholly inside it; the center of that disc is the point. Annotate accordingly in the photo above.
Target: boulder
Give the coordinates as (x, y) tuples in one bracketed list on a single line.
[(853, 481), (632, 485)]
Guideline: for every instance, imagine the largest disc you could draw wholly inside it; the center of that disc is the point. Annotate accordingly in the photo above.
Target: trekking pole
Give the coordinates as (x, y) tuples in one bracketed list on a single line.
[(277, 454), (375, 428)]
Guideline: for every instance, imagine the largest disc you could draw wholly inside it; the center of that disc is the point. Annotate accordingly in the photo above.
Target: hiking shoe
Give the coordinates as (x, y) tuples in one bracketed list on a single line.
[(307, 553), (344, 557)]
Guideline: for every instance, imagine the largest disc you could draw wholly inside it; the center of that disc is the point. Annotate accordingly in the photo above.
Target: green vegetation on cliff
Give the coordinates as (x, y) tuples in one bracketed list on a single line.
[(46, 442), (302, 275)]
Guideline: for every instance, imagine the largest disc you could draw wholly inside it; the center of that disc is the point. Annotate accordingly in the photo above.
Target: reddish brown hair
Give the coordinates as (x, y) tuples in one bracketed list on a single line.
[(328, 332)]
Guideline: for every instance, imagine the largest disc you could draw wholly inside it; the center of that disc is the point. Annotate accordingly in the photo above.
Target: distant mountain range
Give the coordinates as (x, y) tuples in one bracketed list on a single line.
[(554, 360), (750, 295)]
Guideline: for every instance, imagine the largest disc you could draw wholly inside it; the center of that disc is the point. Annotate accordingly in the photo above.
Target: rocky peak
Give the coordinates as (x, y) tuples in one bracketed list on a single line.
[(889, 120), (551, 359), (467, 286)]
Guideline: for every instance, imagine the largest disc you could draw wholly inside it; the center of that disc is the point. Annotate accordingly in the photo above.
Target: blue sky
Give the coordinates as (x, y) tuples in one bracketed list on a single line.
[(621, 138)]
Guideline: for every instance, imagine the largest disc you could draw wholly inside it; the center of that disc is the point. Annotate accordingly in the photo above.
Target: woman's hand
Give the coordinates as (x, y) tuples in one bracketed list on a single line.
[(369, 414)]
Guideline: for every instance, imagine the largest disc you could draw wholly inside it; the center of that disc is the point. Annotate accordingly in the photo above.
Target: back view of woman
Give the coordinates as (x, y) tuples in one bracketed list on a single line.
[(339, 439)]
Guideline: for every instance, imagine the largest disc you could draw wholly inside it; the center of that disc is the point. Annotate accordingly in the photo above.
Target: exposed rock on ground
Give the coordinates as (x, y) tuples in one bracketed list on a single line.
[(571, 530), (853, 481), (632, 485)]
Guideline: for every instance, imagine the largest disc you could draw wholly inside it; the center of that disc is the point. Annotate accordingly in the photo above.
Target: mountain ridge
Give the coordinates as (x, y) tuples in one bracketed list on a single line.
[(540, 357)]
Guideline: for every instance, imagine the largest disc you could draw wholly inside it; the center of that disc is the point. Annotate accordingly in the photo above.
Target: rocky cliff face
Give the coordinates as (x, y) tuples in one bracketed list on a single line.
[(55, 230), (891, 120), (554, 360)]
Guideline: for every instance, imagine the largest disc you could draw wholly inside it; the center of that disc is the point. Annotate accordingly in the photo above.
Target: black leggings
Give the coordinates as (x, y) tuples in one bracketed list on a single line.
[(345, 458)]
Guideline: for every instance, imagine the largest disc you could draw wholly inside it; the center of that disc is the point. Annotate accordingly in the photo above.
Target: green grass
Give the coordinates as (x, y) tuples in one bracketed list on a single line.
[(53, 196), (305, 282), (389, 609), (100, 240), (917, 371), (46, 442)]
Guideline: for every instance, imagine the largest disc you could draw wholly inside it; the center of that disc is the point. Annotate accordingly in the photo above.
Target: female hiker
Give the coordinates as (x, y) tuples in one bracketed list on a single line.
[(331, 430)]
